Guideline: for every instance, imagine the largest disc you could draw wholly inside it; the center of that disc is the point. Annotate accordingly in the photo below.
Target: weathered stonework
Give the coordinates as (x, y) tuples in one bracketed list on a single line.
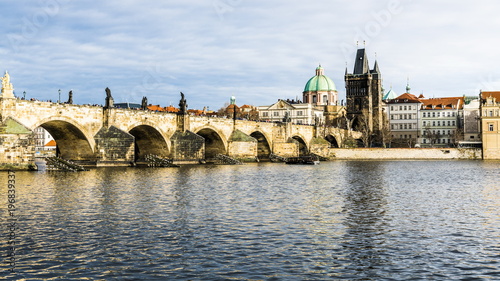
[(242, 146), (187, 147), (79, 134), (17, 148), (114, 147)]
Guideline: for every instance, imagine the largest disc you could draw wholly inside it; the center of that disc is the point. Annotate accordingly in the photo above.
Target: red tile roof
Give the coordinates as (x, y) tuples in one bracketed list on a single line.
[(156, 108), (51, 143), (171, 109), (443, 103), (405, 98), (490, 94)]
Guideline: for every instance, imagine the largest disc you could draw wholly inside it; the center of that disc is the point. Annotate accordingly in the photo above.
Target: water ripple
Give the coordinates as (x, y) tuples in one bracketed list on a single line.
[(339, 220)]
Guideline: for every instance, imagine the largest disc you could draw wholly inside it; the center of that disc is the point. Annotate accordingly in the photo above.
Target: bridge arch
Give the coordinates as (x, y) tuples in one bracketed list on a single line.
[(149, 140), (332, 140), (263, 146), (303, 149), (214, 143), (72, 140)]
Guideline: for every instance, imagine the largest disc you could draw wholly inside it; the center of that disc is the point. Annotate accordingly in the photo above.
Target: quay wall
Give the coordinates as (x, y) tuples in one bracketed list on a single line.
[(405, 153)]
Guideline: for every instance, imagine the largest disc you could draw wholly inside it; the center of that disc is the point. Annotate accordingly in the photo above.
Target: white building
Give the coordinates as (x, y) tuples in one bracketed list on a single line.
[(42, 138), (441, 122), (403, 115), (297, 113)]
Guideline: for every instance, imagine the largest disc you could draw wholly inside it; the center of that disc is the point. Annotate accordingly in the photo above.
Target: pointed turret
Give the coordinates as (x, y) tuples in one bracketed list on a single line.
[(376, 71), (361, 64)]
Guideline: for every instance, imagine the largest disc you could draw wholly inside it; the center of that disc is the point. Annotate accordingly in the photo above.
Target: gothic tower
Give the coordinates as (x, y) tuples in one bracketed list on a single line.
[(364, 94)]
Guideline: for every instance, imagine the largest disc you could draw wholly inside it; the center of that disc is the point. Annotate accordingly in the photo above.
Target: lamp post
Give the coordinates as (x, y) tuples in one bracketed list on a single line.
[(24, 95), (59, 100)]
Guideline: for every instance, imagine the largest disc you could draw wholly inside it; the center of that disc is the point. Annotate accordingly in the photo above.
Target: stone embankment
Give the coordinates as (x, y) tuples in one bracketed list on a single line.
[(405, 154)]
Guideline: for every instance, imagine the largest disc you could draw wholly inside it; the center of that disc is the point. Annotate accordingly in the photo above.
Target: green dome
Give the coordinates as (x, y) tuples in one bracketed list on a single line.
[(319, 82)]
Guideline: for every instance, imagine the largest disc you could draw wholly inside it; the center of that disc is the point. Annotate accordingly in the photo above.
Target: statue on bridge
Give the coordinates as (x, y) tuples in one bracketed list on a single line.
[(182, 105), (7, 88), (70, 98), (144, 103), (109, 99), (287, 118)]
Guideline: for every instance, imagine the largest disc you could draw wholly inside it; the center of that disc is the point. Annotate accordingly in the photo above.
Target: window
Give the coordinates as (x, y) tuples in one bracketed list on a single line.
[(438, 114), (405, 107), (433, 123), (400, 107), (406, 127), (315, 99), (299, 113), (434, 114), (425, 123), (392, 108), (439, 123), (276, 113), (265, 114), (490, 127), (392, 117), (453, 123), (401, 126), (425, 140)]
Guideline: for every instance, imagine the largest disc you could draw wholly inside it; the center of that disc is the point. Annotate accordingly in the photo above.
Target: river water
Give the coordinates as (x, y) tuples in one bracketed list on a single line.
[(354, 220)]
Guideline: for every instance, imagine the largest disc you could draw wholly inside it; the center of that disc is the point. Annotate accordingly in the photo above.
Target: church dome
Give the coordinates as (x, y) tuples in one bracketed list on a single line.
[(320, 82)]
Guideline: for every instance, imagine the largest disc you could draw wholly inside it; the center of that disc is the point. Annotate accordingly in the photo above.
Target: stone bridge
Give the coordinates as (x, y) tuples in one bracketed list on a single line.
[(112, 136)]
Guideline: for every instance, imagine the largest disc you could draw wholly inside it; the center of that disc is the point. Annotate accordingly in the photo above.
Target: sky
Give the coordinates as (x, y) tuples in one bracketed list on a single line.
[(258, 51)]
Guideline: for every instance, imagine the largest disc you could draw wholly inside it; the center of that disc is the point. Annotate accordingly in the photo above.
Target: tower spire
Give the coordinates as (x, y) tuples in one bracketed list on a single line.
[(408, 85)]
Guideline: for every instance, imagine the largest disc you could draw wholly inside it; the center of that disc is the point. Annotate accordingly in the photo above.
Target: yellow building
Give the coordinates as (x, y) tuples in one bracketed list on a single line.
[(490, 124)]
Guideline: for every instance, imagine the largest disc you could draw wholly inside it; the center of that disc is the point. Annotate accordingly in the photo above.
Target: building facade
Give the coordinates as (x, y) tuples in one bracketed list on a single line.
[(403, 114), (472, 121), (297, 113), (490, 123), (441, 121)]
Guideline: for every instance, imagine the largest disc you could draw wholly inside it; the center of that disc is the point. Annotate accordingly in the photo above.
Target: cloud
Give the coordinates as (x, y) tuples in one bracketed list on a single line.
[(258, 51)]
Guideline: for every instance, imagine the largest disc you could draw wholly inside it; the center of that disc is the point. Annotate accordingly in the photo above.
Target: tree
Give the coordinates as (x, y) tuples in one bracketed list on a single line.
[(431, 135), (385, 131), (363, 127), (457, 136)]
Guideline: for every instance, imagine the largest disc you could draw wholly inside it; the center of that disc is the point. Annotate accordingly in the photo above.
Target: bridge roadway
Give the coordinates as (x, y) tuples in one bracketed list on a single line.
[(115, 136)]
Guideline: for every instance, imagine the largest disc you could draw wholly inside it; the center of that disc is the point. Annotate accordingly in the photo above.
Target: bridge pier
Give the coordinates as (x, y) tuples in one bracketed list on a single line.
[(114, 147)]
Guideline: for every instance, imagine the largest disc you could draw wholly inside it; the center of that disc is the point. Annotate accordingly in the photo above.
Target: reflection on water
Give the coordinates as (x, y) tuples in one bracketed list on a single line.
[(339, 220)]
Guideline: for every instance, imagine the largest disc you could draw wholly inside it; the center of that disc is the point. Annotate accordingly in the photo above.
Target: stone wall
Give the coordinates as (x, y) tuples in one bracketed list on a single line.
[(404, 153)]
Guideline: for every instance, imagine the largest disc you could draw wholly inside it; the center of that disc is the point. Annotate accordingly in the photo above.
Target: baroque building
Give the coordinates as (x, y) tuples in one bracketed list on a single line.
[(364, 94), (319, 104)]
